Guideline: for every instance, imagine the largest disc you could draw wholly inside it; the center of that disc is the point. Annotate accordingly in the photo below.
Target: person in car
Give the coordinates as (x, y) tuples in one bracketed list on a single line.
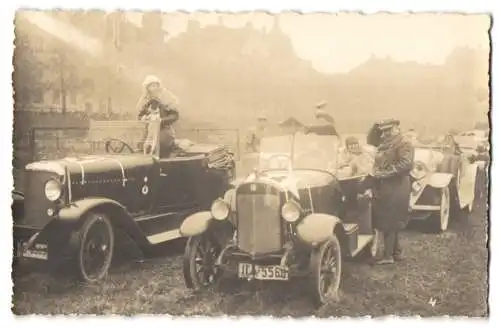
[(450, 146), (391, 186), (355, 159), (158, 104)]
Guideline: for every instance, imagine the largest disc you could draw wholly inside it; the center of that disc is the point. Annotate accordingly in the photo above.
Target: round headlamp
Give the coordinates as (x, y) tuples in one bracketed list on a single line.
[(291, 211), (419, 170), (53, 190), (219, 209)]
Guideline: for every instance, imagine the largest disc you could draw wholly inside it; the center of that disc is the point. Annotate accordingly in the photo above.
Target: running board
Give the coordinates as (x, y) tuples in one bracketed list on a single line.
[(164, 237), (425, 208), (363, 241)]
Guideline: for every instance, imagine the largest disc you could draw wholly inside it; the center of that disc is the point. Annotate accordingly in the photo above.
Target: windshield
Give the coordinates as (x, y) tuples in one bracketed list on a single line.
[(299, 151)]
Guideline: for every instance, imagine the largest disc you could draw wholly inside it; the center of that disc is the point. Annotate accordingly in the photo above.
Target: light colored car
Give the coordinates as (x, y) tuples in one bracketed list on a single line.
[(442, 183), (296, 216), (470, 140)]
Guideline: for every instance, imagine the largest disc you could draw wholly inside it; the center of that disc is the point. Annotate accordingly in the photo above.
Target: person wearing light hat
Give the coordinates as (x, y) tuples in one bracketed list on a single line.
[(256, 133), (157, 103)]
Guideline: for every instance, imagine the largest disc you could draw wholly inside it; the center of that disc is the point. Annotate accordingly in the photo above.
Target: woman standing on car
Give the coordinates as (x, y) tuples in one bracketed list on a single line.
[(392, 187), (157, 103)]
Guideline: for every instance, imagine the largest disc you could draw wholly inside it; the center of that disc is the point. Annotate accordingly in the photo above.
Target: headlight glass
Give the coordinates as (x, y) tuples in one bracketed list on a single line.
[(291, 211), (53, 190), (219, 209), (419, 170)]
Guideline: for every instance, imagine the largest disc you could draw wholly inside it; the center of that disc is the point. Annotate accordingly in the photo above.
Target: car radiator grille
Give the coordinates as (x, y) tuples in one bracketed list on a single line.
[(259, 222), (35, 202)]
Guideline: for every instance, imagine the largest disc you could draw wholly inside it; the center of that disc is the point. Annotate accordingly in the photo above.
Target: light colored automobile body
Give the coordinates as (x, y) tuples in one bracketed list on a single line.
[(442, 184), (277, 222)]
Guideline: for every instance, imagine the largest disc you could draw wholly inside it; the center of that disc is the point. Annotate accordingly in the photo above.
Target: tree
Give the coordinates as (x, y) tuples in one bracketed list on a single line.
[(64, 77), (28, 73)]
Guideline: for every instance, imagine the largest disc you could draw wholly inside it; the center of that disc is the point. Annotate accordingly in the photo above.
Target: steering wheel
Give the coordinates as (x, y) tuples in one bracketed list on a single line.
[(279, 158), (119, 148)]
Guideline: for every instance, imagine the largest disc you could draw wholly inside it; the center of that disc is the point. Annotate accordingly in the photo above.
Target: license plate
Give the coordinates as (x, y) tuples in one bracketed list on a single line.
[(38, 251), (262, 272)]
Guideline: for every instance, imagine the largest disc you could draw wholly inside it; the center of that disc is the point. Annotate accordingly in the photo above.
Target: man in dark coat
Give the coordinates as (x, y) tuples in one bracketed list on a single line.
[(392, 187)]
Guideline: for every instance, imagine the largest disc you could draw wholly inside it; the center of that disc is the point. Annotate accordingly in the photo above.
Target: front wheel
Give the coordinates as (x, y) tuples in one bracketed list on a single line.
[(95, 248), (326, 271), (441, 220), (200, 256)]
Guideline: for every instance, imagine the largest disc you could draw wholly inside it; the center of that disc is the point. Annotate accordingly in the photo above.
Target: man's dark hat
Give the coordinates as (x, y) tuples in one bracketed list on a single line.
[(387, 124)]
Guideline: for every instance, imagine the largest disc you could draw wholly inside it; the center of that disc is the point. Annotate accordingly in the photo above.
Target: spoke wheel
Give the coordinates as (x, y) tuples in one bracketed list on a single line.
[(199, 262), (326, 269), (95, 248), (441, 220)]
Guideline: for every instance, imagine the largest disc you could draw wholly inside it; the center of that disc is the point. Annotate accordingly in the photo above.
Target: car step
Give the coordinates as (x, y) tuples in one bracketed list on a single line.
[(164, 236), (363, 241)]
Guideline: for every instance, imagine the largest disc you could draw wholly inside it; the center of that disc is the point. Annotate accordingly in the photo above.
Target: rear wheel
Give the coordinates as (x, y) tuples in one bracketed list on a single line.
[(326, 270), (199, 262), (440, 221)]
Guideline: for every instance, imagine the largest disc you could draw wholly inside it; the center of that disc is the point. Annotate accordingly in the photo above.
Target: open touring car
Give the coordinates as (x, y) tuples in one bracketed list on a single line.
[(73, 208), (444, 181), (295, 216)]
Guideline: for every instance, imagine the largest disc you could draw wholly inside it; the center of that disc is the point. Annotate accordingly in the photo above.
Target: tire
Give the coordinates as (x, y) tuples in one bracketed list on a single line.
[(326, 259), (95, 225), (441, 220), (199, 269)]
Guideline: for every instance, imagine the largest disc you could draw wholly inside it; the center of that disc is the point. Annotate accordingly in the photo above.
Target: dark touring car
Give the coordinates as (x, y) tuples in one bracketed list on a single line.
[(293, 217), (73, 208)]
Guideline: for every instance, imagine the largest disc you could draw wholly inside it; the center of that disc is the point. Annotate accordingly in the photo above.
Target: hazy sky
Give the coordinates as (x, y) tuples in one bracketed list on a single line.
[(337, 43)]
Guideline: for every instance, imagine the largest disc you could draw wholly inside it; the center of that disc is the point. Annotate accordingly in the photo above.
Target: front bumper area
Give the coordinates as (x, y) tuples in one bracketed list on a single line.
[(231, 258), (51, 242)]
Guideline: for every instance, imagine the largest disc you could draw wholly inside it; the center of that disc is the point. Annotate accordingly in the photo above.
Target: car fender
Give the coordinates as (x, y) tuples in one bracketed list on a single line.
[(17, 196), (17, 205), (196, 224), (317, 228), (76, 211), (439, 180), (467, 185), (481, 165)]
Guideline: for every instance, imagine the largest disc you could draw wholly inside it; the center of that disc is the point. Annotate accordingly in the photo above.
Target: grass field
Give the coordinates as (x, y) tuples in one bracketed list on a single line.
[(442, 274)]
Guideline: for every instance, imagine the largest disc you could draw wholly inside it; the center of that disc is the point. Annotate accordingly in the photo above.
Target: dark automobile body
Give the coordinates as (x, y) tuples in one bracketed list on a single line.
[(144, 196)]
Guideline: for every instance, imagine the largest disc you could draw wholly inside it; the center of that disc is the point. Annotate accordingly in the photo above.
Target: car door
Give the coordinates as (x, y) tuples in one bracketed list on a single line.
[(175, 189)]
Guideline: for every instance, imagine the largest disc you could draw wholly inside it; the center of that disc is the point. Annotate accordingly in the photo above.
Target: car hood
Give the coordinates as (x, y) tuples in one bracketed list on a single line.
[(93, 164)]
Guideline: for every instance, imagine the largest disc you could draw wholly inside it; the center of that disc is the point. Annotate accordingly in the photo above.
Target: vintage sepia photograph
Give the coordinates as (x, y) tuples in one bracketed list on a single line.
[(254, 163)]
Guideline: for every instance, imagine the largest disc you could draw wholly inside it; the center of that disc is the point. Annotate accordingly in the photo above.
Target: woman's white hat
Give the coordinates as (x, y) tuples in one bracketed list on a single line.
[(150, 79)]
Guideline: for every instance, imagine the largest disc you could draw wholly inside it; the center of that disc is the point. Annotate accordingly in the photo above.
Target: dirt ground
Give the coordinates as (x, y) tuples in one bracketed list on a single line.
[(443, 274)]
